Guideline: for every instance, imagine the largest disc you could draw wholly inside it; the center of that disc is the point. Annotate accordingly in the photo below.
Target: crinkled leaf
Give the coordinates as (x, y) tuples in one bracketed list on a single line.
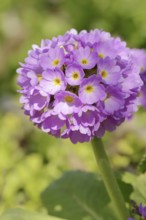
[(19, 214), (128, 177), (126, 189), (142, 165), (139, 194), (78, 195)]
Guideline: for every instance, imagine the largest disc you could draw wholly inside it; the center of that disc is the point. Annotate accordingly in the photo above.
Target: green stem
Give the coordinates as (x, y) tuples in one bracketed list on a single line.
[(109, 179)]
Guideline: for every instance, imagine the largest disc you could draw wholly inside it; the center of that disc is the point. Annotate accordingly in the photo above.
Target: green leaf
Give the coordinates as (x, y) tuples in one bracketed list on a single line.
[(78, 195), (126, 189), (142, 165), (125, 180), (139, 194), (19, 214)]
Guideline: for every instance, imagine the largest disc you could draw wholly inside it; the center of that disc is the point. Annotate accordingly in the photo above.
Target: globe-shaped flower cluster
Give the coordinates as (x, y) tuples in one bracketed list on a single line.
[(80, 85)]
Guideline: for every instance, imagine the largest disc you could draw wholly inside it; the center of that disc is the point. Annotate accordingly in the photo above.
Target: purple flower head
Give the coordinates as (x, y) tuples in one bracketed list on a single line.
[(85, 57), (54, 58), (80, 85), (53, 81), (109, 71), (104, 49), (94, 37), (52, 122), (66, 103), (142, 210), (142, 96), (38, 99), (138, 210), (87, 116), (140, 59), (131, 79), (27, 78), (91, 91), (114, 100), (79, 134), (74, 74)]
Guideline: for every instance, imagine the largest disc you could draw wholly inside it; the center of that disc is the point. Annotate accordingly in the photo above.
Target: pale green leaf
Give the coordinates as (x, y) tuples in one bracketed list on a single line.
[(139, 194), (78, 195), (19, 214)]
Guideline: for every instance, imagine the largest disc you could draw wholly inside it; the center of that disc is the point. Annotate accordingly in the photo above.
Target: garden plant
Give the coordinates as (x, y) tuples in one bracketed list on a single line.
[(80, 86)]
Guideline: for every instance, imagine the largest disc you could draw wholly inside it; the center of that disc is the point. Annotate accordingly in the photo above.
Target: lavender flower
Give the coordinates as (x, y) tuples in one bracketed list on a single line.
[(52, 59), (85, 58), (137, 210), (53, 81), (114, 100), (142, 210), (67, 103), (74, 74), (108, 71), (91, 91), (81, 85), (140, 59)]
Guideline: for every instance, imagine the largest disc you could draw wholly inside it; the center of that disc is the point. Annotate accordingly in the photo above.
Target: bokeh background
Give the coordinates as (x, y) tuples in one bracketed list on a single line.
[(30, 159)]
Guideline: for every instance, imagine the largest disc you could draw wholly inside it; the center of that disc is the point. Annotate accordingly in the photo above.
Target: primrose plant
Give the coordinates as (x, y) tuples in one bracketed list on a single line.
[(79, 86)]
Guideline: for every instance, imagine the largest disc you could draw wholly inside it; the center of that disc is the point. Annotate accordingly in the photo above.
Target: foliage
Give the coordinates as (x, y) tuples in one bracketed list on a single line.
[(29, 159), (65, 198), (18, 214), (142, 164), (139, 189)]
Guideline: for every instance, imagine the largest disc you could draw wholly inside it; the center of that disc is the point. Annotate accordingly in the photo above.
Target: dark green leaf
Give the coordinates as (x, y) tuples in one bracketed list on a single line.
[(142, 165), (126, 188)]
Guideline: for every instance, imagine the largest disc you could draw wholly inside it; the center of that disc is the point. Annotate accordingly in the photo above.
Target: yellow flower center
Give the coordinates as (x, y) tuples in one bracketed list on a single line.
[(101, 55), (39, 76), (107, 97), (57, 81), (139, 94), (141, 69), (55, 62), (75, 75), (84, 61), (69, 99), (104, 74), (76, 45), (89, 89)]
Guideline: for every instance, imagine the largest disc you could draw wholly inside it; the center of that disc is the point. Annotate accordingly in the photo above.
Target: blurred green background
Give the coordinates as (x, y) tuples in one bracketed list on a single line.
[(29, 159)]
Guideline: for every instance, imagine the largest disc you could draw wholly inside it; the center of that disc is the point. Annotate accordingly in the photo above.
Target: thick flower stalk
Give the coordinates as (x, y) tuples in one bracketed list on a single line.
[(80, 85)]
